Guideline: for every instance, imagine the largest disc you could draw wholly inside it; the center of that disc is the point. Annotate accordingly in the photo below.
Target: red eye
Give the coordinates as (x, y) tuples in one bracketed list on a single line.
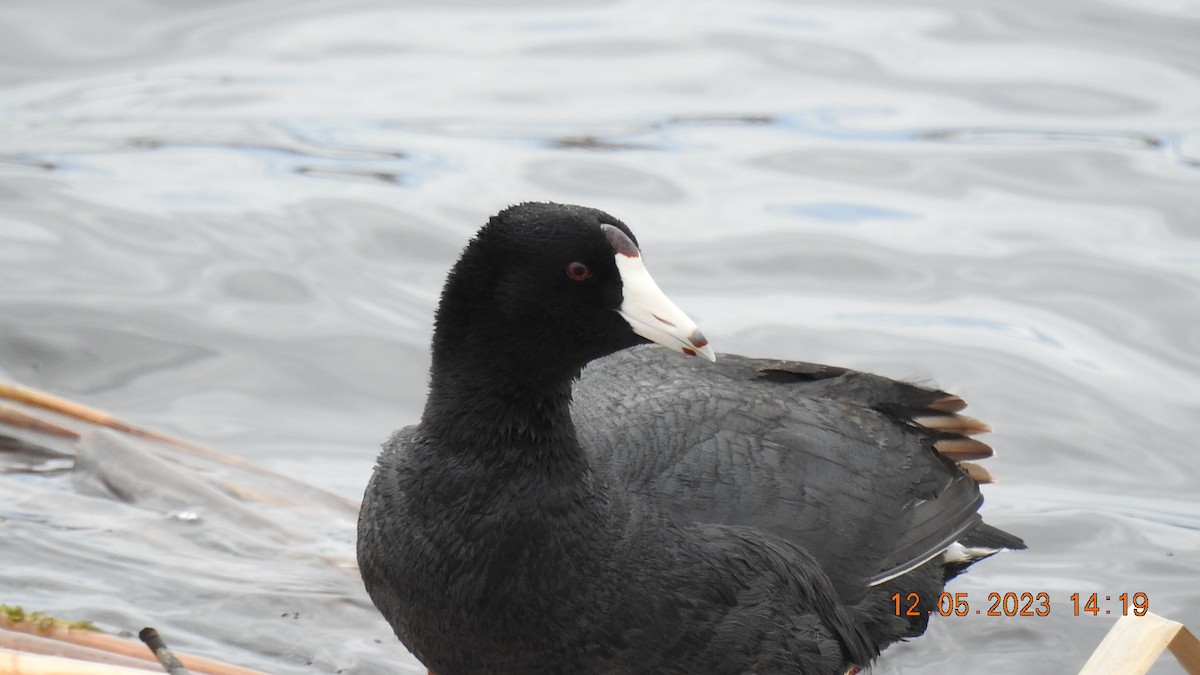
[(578, 271)]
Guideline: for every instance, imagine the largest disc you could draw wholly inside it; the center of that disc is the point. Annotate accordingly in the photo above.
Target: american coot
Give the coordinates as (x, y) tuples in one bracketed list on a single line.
[(651, 513)]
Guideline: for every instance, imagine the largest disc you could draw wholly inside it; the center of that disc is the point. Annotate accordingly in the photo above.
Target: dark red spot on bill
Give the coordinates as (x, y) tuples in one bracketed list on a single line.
[(620, 242)]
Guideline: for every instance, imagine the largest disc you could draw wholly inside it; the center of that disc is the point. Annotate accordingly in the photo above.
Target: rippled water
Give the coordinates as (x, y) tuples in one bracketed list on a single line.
[(230, 221)]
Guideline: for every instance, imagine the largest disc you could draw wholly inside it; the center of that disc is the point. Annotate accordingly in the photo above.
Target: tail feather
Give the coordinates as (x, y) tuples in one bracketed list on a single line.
[(959, 448), (951, 423)]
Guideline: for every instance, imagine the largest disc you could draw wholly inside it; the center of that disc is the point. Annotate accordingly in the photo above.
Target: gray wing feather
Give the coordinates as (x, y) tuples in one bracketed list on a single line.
[(798, 450)]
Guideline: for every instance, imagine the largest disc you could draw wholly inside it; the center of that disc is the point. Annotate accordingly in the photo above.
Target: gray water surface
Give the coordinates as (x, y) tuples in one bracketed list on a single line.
[(231, 221)]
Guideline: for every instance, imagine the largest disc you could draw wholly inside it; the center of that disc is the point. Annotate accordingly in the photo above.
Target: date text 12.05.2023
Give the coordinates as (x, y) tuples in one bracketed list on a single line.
[(1021, 604)]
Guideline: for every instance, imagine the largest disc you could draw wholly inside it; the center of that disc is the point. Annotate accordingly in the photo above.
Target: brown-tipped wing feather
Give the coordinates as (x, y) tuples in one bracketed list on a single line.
[(953, 424)]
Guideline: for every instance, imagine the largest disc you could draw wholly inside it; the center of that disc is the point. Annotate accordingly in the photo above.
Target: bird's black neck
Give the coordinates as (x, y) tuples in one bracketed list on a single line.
[(501, 408), (500, 382)]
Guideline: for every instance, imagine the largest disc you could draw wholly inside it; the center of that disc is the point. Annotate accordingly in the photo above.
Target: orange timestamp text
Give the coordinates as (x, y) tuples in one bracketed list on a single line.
[(1021, 604)]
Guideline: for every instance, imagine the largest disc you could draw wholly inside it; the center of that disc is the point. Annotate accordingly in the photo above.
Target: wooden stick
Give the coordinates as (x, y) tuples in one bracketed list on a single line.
[(1135, 642), (34, 644), (20, 663), (1186, 649), (58, 630)]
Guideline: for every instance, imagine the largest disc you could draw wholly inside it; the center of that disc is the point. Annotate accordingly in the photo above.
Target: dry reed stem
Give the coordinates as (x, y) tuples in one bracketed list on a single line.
[(58, 630), (21, 663), (62, 406)]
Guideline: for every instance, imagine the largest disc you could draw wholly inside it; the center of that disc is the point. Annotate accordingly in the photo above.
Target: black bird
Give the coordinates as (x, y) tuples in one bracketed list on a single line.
[(573, 503)]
